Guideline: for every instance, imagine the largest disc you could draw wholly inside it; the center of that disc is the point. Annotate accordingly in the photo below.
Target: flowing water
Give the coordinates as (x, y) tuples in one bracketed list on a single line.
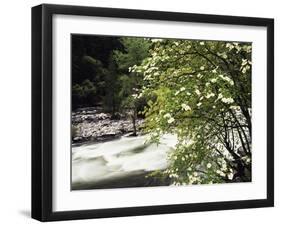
[(120, 163)]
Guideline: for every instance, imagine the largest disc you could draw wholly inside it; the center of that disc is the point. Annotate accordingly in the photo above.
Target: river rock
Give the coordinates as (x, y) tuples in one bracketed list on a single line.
[(92, 124)]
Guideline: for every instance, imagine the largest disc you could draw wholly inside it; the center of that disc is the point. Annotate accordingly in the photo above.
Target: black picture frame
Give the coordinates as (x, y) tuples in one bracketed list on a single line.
[(42, 111)]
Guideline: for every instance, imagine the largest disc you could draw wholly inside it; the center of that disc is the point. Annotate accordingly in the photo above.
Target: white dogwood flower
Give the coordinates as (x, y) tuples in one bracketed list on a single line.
[(227, 100), (230, 176), (210, 95), (197, 92), (213, 80), (171, 120), (186, 107), (168, 115)]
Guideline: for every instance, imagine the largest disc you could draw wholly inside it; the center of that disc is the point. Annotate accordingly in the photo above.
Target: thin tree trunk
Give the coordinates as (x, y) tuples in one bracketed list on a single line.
[(134, 123)]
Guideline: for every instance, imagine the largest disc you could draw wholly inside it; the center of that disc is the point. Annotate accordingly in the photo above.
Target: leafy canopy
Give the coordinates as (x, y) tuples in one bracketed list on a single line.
[(201, 91)]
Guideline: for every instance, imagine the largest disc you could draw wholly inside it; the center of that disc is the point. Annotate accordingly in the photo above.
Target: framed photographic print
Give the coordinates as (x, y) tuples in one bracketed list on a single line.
[(146, 112)]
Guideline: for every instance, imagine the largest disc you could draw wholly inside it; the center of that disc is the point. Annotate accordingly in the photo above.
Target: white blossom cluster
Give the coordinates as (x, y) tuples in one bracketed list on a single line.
[(228, 100), (186, 107), (227, 79), (169, 118)]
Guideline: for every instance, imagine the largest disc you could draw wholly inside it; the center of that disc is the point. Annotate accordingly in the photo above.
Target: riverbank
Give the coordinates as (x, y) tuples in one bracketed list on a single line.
[(92, 124), (105, 154)]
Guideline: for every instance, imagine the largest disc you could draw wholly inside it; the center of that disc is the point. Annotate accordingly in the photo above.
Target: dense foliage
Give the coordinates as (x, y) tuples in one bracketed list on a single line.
[(93, 66), (101, 72), (203, 95), (136, 49)]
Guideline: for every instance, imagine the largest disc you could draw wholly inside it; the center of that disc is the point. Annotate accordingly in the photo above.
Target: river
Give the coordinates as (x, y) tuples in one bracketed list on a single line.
[(124, 162)]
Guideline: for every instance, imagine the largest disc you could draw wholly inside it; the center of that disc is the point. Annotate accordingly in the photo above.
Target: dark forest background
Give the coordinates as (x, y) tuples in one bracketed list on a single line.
[(101, 72)]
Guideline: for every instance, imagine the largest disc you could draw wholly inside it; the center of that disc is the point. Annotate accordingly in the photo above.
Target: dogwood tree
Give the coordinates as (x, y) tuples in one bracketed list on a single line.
[(201, 92)]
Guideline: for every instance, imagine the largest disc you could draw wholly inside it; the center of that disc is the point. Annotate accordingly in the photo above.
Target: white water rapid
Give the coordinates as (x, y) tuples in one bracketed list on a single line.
[(118, 163)]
